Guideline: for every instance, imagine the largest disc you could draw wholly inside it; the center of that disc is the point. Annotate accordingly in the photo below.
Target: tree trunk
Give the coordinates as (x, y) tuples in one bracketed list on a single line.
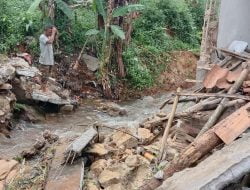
[(100, 22), (121, 67), (203, 145), (106, 49)]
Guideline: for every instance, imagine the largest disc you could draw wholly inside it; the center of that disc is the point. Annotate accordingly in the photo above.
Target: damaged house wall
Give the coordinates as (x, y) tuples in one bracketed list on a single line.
[(234, 22)]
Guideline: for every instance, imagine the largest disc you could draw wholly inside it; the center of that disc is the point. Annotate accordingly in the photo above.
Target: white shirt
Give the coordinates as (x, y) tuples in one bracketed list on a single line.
[(47, 55)]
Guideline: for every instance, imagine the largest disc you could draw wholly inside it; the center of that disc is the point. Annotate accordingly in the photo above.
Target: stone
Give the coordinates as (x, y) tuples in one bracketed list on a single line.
[(159, 175), (18, 62), (140, 150), (144, 134), (48, 96), (118, 186), (67, 108), (28, 72), (107, 178), (7, 72), (50, 137), (142, 173), (6, 166), (92, 186), (92, 63), (120, 138), (98, 149), (6, 86), (98, 166), (31, 114), (132, 161)]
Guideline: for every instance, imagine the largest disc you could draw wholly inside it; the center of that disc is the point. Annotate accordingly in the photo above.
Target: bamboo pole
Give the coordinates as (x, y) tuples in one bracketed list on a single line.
[(228, 95), (169, 123)]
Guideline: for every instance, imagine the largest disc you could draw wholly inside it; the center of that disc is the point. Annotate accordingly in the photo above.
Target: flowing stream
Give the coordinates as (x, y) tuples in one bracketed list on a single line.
[(75, 123)]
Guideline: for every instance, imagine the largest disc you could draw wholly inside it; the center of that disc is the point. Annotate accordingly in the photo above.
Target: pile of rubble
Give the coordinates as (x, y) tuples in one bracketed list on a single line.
[(220, 116), (20, 81), (167, 143)]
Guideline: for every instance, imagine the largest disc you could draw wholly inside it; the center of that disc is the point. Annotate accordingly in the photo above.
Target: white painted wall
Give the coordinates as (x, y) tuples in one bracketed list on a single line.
[(234, 22)]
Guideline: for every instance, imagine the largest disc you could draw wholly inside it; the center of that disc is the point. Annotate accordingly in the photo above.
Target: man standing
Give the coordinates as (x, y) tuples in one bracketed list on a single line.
[(47, 56)]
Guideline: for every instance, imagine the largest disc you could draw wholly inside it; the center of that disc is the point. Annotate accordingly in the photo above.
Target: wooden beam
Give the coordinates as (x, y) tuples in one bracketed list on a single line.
[(238, 55), (202, 95)]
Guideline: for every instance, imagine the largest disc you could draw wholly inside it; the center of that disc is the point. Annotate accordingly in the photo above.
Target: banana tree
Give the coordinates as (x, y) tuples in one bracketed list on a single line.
[(112, 35), (48, 8)]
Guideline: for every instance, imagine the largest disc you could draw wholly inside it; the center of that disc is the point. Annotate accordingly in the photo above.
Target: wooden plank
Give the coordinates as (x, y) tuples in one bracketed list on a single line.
[(234, 54), (214, 75), (231, 127)]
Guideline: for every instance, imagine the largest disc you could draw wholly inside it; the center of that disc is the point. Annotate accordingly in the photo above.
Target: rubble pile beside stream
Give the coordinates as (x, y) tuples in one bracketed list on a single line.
[(20, 82)]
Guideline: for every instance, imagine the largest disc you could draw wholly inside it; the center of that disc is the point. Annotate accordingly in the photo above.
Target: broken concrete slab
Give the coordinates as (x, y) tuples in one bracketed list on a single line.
[(48, 96), (92, 63), (80, 143), (200, 176)]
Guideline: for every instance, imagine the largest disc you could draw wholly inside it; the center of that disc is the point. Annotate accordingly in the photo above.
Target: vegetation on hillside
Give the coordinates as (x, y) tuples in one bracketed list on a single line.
[(161, 26)]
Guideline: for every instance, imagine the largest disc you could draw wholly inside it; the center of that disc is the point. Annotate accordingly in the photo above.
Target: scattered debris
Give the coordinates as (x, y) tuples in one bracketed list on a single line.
[(19, 81), (80, 143), (230, 75)]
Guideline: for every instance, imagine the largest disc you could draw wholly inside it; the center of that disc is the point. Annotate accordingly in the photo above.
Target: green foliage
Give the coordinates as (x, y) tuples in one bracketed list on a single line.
[(197, 9), (99, 7), (18, 107), (59, 4), (64, 8), (138, 75), (178, 19), (15, 23), (92, 32), (34, 6), (124, 10), (117, 31), (73, 32), (164, 26)]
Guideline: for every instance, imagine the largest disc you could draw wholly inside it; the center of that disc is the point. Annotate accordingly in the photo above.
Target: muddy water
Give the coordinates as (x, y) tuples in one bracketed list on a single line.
[(77, 122)]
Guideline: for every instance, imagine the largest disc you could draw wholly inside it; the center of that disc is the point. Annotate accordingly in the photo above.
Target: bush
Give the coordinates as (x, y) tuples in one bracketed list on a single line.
[(179, 19), (138, 75), (164, 26), (15, 23)]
